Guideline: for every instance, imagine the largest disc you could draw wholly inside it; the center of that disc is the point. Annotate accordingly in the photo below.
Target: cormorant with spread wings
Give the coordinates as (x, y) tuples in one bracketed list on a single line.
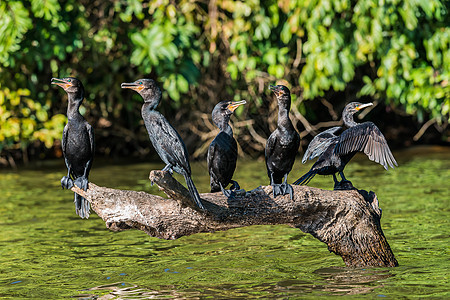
[(335, 152)]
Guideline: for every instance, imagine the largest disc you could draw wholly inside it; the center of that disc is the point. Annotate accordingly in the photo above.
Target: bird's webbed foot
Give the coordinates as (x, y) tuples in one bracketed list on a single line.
[(66, 182), (344, 185), (230, 194), (235, 186), (276, 189), (287, 189), (168, 168), (82, 183), (282, 189)]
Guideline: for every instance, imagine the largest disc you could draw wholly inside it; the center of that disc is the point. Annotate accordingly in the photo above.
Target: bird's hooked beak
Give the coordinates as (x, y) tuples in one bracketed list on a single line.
[(233, 105), (278, 91), (133, 86), (363, 106), (61, 82)]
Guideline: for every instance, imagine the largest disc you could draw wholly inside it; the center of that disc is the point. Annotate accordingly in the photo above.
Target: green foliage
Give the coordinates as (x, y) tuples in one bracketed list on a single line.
[(24, 120), (164, 47), (407, 42), (14, 22), (397, 51)]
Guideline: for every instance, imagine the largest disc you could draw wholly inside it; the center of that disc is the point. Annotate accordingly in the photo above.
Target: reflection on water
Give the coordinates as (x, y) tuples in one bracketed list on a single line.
[(347, 281), (48, 252), (334, 281)]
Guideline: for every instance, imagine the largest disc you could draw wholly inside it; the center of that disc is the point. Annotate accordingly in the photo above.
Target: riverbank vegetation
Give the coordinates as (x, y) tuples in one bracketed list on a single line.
[(394, 53)]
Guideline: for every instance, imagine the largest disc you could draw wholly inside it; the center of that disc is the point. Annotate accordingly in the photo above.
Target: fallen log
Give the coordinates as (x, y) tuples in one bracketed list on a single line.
[(347, 221)]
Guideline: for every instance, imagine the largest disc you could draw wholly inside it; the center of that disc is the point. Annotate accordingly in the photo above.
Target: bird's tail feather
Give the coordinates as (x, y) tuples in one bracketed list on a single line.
[(81, 206), (305, 179), (193, 191)]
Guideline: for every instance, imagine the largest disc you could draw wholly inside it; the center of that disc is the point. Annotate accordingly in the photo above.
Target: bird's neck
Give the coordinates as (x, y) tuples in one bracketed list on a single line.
[(348, 120), (74, 105), (225, 126), (148, 108), (283, 118), (151, 101)]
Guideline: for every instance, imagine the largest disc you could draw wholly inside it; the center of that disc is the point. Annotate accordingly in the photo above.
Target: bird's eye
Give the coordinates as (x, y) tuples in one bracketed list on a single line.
[(140, 82), (69, 80)]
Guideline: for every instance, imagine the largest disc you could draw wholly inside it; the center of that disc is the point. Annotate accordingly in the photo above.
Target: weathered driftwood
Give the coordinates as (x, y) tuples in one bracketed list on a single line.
[(347, 221)]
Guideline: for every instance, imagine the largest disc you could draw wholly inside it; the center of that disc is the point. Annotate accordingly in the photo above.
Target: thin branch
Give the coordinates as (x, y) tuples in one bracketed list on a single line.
[(302, 119), (330, 108), (255, 135), (315, 128), (298, 57), (423, 129)]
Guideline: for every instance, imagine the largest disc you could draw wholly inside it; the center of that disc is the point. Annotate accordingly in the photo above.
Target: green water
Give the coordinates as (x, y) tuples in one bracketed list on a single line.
[(47, 252)]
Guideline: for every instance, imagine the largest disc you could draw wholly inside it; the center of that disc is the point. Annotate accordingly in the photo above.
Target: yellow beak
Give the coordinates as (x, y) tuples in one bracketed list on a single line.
[(233, 105)]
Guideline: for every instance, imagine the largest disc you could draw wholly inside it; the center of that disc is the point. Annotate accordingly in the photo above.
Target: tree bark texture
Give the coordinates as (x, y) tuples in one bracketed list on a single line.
[(347, 221)]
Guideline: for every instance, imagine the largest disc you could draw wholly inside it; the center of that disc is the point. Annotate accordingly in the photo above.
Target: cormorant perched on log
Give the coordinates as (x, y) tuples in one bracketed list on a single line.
[(222, 152), (282, 145), (335, 152), (165, 139), (77, 143)]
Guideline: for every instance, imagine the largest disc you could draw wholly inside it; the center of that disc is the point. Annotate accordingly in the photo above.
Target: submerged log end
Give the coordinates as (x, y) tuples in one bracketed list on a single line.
[(347, 221), (363, 244)]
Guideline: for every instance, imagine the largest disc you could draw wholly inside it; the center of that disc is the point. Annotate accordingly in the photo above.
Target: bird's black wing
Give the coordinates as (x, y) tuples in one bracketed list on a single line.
[(270, 146), (367, 138), (320, 143), (175, 149), (211, 154), (90, 130), (222, 153), (91, 137), (64, 144)]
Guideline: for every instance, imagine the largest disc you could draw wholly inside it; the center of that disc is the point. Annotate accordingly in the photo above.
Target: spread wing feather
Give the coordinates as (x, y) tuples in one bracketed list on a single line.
[(367, 138), (320, 143)]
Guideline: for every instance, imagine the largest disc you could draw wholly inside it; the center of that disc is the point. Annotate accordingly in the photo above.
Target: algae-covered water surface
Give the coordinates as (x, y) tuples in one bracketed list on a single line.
[(48, 252)]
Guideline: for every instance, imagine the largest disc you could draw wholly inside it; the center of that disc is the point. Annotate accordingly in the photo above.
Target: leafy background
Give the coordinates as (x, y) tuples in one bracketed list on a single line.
[(394, 53)]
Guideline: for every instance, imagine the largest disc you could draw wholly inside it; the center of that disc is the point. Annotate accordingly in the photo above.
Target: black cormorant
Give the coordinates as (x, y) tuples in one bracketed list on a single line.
[(335, 152), (222, 152), (282, 145), (77, 143), (165, 139)]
